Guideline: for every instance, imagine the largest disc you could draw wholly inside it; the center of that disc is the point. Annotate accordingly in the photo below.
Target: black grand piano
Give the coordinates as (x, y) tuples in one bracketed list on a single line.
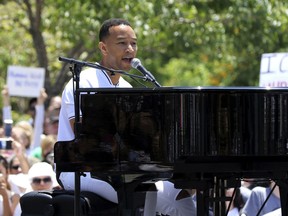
[(201, 138)]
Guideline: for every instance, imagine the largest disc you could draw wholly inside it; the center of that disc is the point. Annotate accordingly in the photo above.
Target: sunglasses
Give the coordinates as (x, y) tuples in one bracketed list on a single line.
[(44, 180), (15, 167)]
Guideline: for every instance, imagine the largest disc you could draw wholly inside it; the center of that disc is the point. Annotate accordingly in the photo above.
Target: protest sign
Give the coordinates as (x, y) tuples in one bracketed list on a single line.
[(25, 81), (274, 70)]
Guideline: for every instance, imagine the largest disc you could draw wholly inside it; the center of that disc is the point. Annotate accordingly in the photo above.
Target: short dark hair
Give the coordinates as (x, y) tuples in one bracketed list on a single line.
[(107, 24)]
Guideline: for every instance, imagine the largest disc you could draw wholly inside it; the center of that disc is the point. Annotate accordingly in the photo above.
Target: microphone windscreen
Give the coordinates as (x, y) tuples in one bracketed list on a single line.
[(135, 62)]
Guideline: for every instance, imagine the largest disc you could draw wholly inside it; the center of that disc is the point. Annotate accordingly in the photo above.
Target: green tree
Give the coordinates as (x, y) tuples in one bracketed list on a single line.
[(217, 43)]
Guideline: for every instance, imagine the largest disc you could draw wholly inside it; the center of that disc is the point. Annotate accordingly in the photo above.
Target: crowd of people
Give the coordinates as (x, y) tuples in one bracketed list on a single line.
[(29, 166)]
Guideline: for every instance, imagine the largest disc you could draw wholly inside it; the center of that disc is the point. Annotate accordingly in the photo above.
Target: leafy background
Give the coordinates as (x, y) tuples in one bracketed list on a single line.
[(182, 42)]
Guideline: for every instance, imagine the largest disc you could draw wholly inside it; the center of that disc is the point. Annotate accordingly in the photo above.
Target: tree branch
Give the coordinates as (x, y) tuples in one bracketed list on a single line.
[(63, 76)]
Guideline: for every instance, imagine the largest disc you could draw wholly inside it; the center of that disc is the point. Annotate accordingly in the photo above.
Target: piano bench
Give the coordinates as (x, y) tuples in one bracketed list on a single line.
[(61, 203)]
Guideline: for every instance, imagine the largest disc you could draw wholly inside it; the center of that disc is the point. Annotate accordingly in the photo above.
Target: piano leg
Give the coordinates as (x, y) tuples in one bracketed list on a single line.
[(212, 200), (137, 195), (283, 188), (202, 202), (77, 194), (219, 198), (150, 203), (125, 199)]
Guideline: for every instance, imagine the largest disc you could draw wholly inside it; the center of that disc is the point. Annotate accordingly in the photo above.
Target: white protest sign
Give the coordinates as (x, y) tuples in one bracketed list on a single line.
[(25, 81), (274, 70)]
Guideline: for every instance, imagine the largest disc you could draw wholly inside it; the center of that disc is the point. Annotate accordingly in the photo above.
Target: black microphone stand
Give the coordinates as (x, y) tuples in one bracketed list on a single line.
[(76, 70), (151, 78), (76, 79)]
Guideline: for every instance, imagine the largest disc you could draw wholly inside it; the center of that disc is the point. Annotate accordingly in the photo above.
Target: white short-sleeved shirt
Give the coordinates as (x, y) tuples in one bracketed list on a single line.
[(256, 200), (89, 78), (233, 212), (276, 212)]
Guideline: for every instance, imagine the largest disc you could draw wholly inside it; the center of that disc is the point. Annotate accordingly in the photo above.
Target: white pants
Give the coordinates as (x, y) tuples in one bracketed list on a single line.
[(103, 189), (165, 200), (87, 183), (167, 203), (276, 212)]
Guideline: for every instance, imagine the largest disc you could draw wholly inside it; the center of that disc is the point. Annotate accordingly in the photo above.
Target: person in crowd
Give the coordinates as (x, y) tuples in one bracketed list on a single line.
[(20, 145), (20, 161), (42, 177), (51, 120), (174, 202), (38, 120), (23, 132), (55, 103), (236, 204), (258, 197), (14, 165), (18, 180), (2, 132), (47, 148), (33, 129), (44, 152), (31, 110), (23, 136), (245, 192), (8, 200), (277, 212)]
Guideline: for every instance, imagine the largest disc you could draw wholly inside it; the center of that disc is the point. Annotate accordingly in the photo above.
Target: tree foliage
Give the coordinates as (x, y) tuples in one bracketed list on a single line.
[(184, 43)]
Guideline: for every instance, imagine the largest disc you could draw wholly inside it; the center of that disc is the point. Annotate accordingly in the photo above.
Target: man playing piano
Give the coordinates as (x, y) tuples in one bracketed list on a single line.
[(118, 46)]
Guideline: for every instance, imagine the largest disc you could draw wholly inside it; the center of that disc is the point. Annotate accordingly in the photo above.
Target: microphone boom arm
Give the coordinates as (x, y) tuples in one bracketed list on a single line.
[(98, 66), (153, 80)]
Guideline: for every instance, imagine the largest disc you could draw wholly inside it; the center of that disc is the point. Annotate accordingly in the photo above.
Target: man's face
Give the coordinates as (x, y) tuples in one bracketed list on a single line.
[(119, 48)]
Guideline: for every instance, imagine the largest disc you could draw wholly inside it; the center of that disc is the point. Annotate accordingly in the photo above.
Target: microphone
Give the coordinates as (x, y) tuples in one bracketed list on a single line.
[(136, 63)]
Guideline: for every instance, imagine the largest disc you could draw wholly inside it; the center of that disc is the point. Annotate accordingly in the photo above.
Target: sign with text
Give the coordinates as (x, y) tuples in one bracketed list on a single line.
[(25, 81), (274, 70)]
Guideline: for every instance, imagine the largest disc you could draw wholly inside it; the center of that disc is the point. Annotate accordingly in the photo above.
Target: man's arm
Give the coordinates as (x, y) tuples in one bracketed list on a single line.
[(72, 122)]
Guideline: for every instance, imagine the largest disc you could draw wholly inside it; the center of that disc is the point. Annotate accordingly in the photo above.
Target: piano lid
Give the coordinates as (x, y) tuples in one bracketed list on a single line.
[(159, 126)]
